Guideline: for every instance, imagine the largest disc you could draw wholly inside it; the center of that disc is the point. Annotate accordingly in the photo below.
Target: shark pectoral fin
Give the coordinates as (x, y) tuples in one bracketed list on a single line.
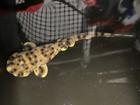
[(64, 48), (68, 43), (71, 43), (41, 71), (29, 45)]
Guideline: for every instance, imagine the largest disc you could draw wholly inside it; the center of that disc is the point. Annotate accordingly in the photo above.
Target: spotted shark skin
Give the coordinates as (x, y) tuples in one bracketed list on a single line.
[(22, 64)]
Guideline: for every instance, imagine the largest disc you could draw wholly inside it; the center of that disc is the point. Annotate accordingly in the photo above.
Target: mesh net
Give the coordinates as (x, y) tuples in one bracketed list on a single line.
[(53, 20)]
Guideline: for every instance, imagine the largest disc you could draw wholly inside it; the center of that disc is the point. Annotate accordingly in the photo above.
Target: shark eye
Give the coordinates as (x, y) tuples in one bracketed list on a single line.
[(10, 63)]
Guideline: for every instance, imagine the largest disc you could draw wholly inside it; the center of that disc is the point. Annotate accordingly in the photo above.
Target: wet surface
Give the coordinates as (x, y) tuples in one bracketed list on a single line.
[(111, 78)]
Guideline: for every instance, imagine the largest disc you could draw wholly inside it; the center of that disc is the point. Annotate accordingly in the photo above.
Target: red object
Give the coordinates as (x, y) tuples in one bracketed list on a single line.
[(32, 8), (123, 29), (90, 2)]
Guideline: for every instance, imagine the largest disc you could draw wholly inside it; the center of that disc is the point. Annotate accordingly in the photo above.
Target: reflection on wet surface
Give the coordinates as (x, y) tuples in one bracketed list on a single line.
[(111, 78)]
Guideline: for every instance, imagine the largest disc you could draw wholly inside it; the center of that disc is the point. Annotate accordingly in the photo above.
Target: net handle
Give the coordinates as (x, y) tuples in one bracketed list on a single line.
[(71, 6)]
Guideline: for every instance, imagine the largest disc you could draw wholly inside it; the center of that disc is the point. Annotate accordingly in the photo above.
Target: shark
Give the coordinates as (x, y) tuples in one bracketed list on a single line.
[(34, 59)]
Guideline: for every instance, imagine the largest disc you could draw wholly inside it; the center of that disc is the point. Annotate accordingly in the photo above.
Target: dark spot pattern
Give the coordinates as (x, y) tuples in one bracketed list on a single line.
[(52, 53), (35, 56), (19, 60), (45, 55), (60, 44), (29, 58), (52, 48), (42, 52), (42, 49), (79, 37), (12, 71), (33, 63), (21, 74), (27, 68), (27, 54), (31, 52), (50, 59), (18, 56), (68, 42), (23, 60), (84, 36)]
